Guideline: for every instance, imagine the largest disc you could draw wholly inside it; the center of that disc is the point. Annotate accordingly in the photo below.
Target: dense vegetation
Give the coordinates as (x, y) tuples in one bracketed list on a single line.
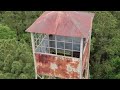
[(16, 59)]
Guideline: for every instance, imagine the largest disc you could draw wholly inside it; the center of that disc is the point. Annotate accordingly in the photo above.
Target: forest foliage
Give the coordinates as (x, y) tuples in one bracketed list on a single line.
[(16, 60)]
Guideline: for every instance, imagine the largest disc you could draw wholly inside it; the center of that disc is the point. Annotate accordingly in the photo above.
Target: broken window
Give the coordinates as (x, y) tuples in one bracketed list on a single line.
[(59, 45)]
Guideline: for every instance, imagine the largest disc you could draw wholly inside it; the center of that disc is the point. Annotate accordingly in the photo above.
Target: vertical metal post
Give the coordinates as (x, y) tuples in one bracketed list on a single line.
[(88, 72), (56, 44), (81, 54), (33, 49)]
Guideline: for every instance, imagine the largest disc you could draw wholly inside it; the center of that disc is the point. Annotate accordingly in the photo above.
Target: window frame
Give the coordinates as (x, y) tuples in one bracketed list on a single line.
[(46, 37)]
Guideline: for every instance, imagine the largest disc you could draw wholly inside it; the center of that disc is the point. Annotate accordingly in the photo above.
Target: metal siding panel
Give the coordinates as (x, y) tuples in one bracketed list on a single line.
[(57, 66)]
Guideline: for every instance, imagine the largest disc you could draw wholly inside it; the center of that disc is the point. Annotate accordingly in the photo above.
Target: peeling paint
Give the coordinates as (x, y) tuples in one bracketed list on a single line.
[(53, 66), (70, 68), (85, 56), (58, 66)]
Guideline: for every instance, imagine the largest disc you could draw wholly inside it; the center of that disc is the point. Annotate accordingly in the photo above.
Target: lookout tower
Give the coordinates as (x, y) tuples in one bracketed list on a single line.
[(61, 44)]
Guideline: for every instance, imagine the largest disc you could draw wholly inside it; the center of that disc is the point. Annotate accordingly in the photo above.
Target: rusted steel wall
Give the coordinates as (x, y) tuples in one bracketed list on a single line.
[(85, 56), (58, 66)]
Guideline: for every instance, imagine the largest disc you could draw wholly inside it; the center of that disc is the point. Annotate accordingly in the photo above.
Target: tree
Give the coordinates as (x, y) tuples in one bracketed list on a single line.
[(24, 76), (19, 21), (16, 57), (9, 76), (105, 45), (16, 67), (6, 32), (2, 76), (1, 65)]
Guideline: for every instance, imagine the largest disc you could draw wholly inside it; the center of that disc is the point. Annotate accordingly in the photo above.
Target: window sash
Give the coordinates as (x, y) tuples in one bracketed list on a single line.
[(56, 48)]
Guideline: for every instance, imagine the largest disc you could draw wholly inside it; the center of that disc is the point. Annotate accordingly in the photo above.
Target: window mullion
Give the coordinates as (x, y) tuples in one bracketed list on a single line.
[(56, 44), (72, 47), (64, 46), (48, 43)]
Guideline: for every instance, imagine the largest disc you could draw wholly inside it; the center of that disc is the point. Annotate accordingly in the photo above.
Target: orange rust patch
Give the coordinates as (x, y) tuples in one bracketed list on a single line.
[(59, 66), (85, 56)]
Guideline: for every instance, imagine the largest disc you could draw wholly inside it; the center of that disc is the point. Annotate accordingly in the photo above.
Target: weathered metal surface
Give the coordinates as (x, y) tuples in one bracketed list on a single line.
[(58, 66), (85, 56), (65, 23)]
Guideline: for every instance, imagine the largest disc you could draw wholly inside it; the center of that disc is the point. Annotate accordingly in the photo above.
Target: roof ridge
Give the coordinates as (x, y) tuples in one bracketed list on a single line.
[(75, 24)]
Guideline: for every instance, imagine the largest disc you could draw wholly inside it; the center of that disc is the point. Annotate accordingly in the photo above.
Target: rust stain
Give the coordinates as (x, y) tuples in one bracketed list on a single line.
[(57, 66), (85, 56)]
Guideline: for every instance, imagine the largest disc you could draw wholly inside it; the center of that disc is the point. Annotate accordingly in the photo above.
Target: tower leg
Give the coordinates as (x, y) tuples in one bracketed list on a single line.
[(87, 70)]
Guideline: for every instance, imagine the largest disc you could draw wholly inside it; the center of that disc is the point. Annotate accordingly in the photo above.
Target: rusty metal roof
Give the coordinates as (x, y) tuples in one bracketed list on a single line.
[(65, 23)]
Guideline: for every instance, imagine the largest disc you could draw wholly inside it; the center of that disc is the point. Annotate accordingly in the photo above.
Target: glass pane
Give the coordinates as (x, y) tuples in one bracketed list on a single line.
[(34, 39), (68, 53), (38, 49), (35, 46), (76, 54), (51, 37), (84, 41), (45, 43), (68, 39), (60, 52), (36, 35), (60, 38), (46, 37), (52, 44), (47, 50), (68, 46), (60, 45), (76, 47), (52, 51), (37, 43), (76, 40), (43, 50)]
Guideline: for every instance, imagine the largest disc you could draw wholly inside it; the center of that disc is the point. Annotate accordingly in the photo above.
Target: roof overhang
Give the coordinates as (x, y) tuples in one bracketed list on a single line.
[(64, 23)]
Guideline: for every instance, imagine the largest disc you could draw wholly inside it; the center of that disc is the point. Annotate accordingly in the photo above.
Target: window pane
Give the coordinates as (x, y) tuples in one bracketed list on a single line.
[(38, 49), (47, 50), (43, 50), (68, 53), (51, 37), (35, 39), (60, 52), (68, 46), (60, 45), (76, 40), (60, 38), (35, 46), (46, 37), (52, 44), (76, 54), (84, 41), (37, 42), (45, 43), (68, 39), (52, 51), (76, 47), (35, 35)]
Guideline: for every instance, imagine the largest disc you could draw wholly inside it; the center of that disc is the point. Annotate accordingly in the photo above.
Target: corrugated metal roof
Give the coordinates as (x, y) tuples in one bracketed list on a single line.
[(65, 23)]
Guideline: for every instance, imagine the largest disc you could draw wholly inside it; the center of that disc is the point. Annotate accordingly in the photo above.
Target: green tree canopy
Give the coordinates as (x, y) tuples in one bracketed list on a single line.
[(15, 58), (6, 32)]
